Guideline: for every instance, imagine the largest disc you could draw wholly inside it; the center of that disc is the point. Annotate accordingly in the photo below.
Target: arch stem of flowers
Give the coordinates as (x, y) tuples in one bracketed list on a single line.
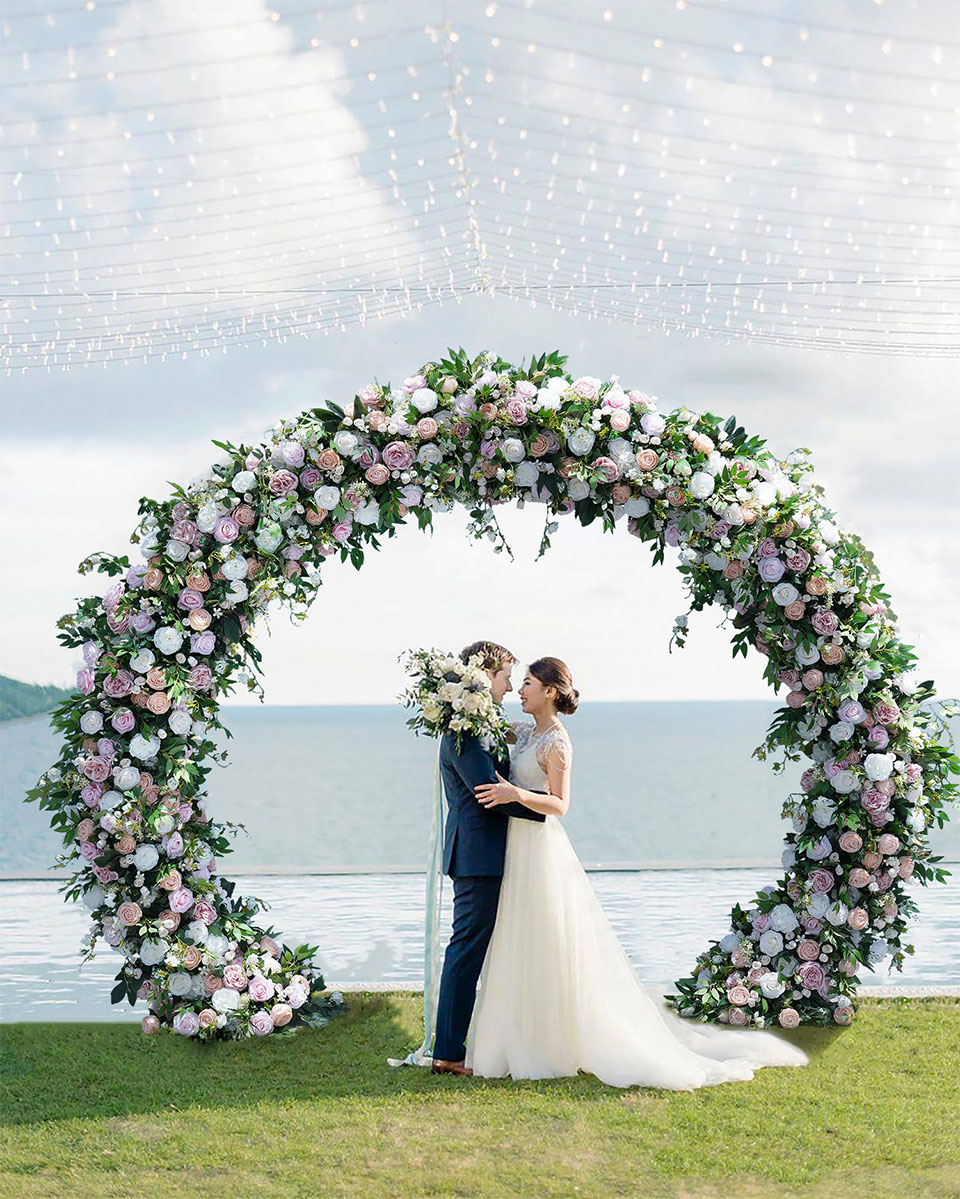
[(175, 632)]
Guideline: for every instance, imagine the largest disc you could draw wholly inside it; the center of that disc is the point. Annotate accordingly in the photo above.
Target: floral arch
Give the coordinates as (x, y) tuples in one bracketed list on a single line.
[(175, 632)]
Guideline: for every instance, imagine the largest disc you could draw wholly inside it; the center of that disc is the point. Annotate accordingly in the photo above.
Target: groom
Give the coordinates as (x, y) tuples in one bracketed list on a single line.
[(474, 845)]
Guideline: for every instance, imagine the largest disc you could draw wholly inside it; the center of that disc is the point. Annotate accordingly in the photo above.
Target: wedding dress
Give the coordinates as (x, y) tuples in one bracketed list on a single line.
[(557, 993)]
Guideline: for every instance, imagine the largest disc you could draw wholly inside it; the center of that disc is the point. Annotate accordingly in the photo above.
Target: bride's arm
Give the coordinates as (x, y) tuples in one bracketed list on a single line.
[(556, 766)]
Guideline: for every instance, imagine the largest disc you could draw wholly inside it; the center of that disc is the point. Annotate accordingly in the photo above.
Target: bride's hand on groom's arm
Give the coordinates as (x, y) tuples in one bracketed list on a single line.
[(490, 795)]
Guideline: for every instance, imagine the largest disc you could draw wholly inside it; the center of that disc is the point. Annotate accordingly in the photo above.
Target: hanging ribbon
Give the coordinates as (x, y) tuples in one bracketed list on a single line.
[(431, 934)]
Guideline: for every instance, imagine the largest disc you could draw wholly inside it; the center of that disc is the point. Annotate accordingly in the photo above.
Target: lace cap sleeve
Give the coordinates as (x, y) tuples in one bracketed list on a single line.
[(554, 748)]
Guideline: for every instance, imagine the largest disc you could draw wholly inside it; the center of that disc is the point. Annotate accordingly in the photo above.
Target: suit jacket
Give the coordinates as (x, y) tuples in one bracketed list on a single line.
[(475, 837)]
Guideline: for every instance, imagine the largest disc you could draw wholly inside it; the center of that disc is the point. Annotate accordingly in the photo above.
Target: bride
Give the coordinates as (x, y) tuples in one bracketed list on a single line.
[(557, 993)]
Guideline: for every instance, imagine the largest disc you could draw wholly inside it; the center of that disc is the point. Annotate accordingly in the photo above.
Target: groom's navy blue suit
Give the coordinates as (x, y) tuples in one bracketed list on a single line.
[(475, 842)]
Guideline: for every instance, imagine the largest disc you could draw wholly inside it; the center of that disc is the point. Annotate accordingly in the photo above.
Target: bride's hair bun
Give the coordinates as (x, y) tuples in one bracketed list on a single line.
[(552, 672)]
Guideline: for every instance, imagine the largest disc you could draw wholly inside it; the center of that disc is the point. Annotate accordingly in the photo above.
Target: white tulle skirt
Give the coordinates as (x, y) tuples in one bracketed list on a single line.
[(557, 993)]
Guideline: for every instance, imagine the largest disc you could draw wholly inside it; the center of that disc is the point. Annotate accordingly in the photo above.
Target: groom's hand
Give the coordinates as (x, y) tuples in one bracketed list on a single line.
[(489, 795)]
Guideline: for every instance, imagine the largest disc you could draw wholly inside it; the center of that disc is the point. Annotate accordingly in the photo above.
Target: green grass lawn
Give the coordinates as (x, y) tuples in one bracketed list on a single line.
[(97, 1110)]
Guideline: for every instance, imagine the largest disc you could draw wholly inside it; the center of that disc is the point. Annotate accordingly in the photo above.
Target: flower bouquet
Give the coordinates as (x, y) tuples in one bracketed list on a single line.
[(452, 696)]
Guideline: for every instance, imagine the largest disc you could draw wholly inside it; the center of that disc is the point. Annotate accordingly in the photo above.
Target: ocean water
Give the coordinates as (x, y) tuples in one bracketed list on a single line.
[(670, 813)]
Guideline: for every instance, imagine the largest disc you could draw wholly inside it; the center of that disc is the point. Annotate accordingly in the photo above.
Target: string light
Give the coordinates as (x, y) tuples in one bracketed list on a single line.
[(678, 175)]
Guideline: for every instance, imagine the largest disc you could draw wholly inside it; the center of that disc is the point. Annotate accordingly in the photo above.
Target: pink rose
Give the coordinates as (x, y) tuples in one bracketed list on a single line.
[(89, 850), (181, 900), (516, 409), (790, 676), (607, 468), (812, 679), (858, 919), (913, 772), (203, 643), (858, 877), (888, 844), (852, 711), (204, 910), (879, 737), (397, 455), (770, 569), (342, 529), (118, 685), (86, 680), (886, 712), (260, 1023), (762, 921), (737, 1017), (906, 867), (647, 459), (798, 560), (738, 995), (96, 769), (370, 396), (261, 989), (811, 924), (825, 621), (188, 599), (309, 478), (812, 975), (843, 1014), (377, 474), (282, 482), (820, 880), (789, 1018), (808, 951), (280, 1014), (123, 721), (619, 420), (850, 842), (427, 428), (234, 976), (200, 677), (129, 914), (738, 957)]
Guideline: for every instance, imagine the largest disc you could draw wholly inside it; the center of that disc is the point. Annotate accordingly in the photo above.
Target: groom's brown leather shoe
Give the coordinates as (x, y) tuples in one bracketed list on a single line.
[(441, 1067)]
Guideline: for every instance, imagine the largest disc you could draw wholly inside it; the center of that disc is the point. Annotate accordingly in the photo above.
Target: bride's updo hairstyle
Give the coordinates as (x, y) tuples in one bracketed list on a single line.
[(551, 672)]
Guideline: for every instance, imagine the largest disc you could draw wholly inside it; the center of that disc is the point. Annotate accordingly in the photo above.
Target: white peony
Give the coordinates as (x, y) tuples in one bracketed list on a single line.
[(824, 811), (701, 484), (771, 942), (547, 399), (729, 943), (581, 441), (639, 505), (268, 537), (783, 918), (578, 489), (244, 480), (837, 913), (153, 951), (878, 766), (235, 568), (817, 904), (145, 857), (844, 782), (226, 999), (206, 517), (142, 661), (512, 449), (368, 513), (93, 897), (167, 640), (144, 747), (110, 799)]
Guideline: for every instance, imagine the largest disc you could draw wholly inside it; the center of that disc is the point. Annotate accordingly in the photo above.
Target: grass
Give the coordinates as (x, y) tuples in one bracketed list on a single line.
[(100, 1110)]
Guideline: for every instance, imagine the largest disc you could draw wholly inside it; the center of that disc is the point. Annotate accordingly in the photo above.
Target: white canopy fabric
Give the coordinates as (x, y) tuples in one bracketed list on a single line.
[(183, 178)]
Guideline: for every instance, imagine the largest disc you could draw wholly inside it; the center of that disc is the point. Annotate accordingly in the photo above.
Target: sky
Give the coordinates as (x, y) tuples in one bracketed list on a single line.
[(81, 446)]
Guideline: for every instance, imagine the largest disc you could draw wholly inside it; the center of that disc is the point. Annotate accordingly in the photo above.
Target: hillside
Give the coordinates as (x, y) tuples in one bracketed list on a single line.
[(27, 699)]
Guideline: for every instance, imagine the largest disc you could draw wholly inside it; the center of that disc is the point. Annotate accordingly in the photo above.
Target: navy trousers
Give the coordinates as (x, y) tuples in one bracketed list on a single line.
[(475, 899)]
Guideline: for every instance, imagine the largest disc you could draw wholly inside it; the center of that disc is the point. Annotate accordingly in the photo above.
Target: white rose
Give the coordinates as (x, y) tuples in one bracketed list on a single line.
[(878, 766), (733, 516), (806, 657), (639, 505), (526, 474), (165, 823), (110, 799), (145, 857), (548, 398), (167, 640), (828, 532), (431, 711), (128, 778), (243, 480), (142, 661), (916, 821), (837, 913), (91, 722), (701, 484), (770, 943), (327, 496), (578, 489), (771, 986), (268, 537), (841, 731), (581, 441), (153, 951), (729, 943), (368, 513), (206, 518), (824, 812), (783, 918), (788, 858), (93, 897), (179, 721), (785, 593), (430, 454), (424, 399), (512, 449), (907, 682), (141, 747), (226, 999), (235, 568), (877, 952), (844, 782), (715, 462), (345, 442), (652, 423), (817, 904), (179, 983), (177, 550)]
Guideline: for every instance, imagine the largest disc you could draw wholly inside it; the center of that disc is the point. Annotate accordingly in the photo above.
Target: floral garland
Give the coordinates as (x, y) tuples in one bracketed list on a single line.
[(754, 536), (452, 696)]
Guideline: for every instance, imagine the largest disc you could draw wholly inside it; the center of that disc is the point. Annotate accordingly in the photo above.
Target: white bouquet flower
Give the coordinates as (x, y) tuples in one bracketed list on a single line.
[(451, 696)]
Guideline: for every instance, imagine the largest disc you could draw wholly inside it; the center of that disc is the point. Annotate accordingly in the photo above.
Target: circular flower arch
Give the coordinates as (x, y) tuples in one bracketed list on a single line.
[(175, 632)]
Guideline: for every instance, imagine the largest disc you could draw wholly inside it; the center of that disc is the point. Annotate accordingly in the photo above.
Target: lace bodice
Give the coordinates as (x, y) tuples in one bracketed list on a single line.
[(528, 757)]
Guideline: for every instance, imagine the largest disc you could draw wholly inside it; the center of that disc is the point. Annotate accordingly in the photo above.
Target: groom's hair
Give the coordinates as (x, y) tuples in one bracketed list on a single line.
[(495, 656)]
